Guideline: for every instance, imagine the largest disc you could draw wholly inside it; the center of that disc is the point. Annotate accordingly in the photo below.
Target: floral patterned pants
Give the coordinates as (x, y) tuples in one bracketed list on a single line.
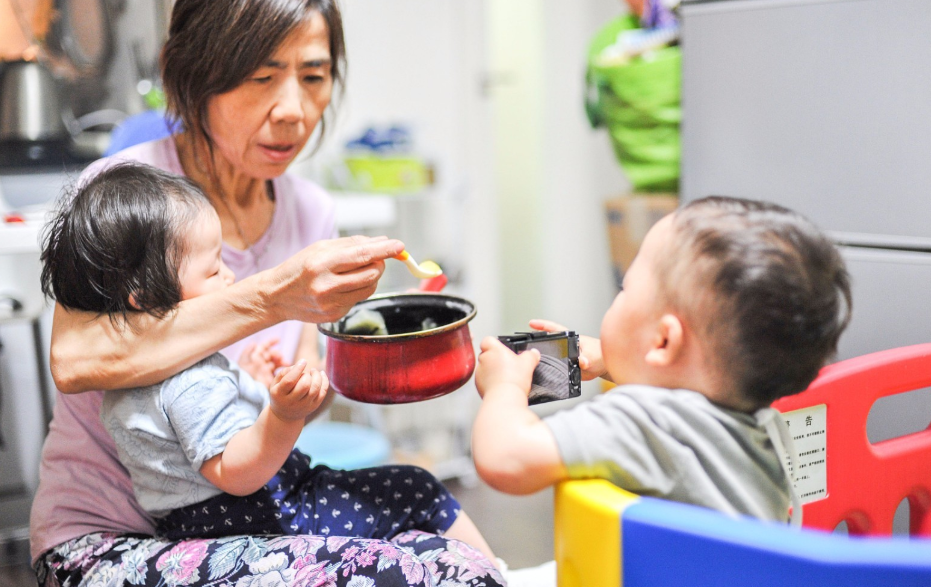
[(412, 558)]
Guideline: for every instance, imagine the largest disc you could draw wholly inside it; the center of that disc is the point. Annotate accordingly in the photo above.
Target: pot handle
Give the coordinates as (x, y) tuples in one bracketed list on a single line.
[(434, 284)]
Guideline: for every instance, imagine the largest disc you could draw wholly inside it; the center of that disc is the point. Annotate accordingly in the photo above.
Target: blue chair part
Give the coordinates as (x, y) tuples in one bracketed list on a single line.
[(674, 544), (139, 128), (340, 445), (667, 544)]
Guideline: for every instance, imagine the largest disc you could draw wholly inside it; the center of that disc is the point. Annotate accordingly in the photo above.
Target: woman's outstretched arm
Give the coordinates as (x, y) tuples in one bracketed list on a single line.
[(318, 284)]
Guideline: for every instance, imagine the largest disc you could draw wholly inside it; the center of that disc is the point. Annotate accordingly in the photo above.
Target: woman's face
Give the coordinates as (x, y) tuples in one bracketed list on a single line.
[(260, 126)]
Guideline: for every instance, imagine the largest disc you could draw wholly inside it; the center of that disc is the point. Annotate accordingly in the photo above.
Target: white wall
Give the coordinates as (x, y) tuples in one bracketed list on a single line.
[(552, 170), (419, 63), (580, 171)]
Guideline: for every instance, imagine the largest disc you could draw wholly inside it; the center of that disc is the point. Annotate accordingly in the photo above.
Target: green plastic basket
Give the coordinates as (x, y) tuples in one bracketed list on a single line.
[(639, 102)]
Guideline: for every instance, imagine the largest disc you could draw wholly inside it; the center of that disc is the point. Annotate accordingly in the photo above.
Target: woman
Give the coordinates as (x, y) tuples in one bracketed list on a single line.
[(250, 81)]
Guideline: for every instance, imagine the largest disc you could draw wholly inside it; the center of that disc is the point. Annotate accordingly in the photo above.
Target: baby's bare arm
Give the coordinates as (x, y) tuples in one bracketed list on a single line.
[(254, 454), (514, 451)]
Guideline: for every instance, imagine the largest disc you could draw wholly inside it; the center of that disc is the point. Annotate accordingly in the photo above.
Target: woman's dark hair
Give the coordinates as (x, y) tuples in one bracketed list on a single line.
[(770, 292), (214, 45), (121, 234)]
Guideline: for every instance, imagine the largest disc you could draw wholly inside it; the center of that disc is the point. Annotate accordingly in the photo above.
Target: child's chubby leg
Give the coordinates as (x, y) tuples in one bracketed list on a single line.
[(464, 529)]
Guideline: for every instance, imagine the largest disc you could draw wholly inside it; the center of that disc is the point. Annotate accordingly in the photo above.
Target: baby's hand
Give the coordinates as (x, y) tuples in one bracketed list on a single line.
[(590, 360), (499, 365), (297, 391), (261, 360)]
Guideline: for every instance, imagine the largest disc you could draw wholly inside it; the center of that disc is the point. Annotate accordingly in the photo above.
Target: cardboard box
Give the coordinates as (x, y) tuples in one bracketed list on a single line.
[(629, 218)]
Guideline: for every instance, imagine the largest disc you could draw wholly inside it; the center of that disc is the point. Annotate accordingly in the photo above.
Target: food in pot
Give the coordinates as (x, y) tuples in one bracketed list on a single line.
[(426, 351), (365, 322)]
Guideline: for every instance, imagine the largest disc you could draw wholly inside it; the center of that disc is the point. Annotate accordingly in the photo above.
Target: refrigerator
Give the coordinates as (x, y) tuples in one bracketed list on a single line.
[(824, 106)]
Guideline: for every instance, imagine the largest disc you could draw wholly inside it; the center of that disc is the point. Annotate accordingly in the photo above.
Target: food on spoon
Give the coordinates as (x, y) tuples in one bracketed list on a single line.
[(424, 270)]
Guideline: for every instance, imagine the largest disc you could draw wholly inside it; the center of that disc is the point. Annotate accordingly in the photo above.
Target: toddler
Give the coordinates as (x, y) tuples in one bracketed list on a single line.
[(210, 450), (729, 305)]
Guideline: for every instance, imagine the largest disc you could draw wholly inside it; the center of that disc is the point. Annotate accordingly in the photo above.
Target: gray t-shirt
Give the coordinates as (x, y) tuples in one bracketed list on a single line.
[(677, 445), (165, 432)]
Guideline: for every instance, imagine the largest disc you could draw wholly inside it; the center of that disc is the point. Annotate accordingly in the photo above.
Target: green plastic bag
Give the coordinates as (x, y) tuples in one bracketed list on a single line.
[(639, 102)]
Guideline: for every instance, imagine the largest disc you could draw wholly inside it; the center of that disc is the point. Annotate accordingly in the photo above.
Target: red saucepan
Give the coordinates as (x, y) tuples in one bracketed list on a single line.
[(401, 348)]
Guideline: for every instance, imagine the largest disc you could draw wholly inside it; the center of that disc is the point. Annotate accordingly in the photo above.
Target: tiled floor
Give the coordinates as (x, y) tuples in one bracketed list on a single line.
[(14, 565), (518, 529), (17, 576)]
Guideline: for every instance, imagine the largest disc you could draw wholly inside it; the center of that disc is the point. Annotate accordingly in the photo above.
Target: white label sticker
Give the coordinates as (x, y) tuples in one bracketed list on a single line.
[(809, 431)]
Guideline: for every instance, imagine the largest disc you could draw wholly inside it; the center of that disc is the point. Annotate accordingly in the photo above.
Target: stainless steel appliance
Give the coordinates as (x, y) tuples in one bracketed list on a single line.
[(31, 125), (30, 108), (822, 106), (48, 87)]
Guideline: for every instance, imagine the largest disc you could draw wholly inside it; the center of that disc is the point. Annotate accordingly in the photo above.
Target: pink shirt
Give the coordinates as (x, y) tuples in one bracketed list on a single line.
[(83, 488)]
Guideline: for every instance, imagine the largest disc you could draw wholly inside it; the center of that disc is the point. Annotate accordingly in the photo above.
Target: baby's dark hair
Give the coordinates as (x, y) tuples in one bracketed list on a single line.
[(766, 289), (120, 234)]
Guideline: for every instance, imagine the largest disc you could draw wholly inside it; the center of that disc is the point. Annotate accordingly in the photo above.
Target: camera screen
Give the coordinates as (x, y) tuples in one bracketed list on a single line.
[(557, 376), (551, 377)]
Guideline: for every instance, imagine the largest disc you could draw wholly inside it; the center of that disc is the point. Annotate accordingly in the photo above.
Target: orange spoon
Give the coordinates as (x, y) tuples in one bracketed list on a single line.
[(424, 270)]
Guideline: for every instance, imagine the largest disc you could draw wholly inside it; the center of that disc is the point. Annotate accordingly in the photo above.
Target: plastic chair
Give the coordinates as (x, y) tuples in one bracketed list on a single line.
[(866, 482), (668, 544), (606, 536)]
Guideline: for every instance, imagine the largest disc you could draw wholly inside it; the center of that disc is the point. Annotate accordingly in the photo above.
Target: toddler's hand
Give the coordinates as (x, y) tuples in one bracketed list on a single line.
[(590, 360), (499, 365), (297, 391), (261, 360)]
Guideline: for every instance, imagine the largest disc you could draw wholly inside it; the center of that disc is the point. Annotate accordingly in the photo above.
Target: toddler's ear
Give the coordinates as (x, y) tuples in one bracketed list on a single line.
[(666, 345), (132, 301)]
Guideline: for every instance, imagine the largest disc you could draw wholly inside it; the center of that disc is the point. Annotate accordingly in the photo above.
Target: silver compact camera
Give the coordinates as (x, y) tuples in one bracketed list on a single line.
[(558, 375)]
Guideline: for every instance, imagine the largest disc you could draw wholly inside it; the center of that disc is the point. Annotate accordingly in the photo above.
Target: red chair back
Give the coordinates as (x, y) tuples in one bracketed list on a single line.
[(866, 482)]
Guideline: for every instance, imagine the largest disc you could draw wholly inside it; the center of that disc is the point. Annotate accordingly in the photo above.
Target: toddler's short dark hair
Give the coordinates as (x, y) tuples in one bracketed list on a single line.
[(766, 289), (118, 234)]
